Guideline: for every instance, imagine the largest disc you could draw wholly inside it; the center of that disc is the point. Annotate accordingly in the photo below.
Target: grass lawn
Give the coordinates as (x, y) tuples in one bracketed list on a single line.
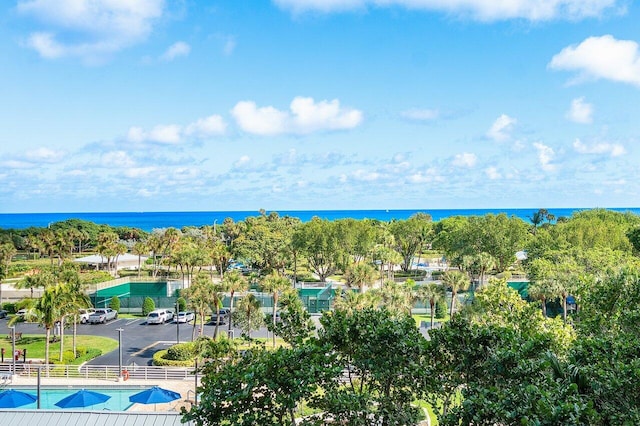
[(427, 318), (35, 345), (268, 343)]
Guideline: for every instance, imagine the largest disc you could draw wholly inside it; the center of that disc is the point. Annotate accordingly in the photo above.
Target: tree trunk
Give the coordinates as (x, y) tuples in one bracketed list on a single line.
[(61, 339), (215, 331), (432, 306), (275, 305), (231, 309), (75, 331), (453, 302), (46, 349)]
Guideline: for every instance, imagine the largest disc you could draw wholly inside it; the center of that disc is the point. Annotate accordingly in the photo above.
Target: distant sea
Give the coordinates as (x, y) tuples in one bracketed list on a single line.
[(149, 220)]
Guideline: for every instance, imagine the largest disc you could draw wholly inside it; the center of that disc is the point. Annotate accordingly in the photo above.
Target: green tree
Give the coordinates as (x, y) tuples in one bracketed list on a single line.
[(456, 281), (7, 251), (295, 325), (262, 387), (232, 282), (276, 285), (360, 275), (248, 316), (148, 305), (374, 347), (430, 293), (199, 297), (115, 303), (320, 242)]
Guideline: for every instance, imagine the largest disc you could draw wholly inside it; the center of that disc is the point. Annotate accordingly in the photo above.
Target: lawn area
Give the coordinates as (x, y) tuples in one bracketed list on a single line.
[(427, 318), (35, 345)]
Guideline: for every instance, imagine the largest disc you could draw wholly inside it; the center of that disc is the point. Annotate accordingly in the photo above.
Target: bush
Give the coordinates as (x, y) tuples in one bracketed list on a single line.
[(160, 360), (9, 307), (182, 304), (442, 310), (115, 303), (180, 352), (148, 305)]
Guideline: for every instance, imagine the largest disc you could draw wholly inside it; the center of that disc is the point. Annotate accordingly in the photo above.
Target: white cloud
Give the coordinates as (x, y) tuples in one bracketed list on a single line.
[(580, 112), (614, 150), (545, 156), (208, 126), (365, 176), (601, 58), (139, 172), (492, 173), (170, 133), (116, 159), (176, 50), (500, 128), (174, 133), (421, 114), (44, 155), (105, 26), (429, 176), (483, 10), (304, 116), (466, 159), (243, 161)]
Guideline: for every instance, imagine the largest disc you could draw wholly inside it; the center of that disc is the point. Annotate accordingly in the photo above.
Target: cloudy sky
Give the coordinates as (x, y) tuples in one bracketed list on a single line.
[(162, 105)]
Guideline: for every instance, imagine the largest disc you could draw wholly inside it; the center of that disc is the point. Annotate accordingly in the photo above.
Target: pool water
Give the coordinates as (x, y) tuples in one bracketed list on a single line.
[(119, 400)]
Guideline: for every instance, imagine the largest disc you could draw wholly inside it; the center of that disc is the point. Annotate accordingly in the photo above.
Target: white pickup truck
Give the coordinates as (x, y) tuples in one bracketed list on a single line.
[(102, 316)]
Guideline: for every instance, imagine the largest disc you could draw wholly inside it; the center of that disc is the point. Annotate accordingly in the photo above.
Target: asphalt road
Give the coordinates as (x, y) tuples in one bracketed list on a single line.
[(139, 340)]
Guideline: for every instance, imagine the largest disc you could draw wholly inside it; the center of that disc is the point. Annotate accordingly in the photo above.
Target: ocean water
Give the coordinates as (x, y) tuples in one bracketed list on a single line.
[(150, 220)]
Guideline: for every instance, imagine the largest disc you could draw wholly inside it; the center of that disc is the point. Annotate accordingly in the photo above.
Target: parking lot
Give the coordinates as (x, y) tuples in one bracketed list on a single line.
[(139, 340)]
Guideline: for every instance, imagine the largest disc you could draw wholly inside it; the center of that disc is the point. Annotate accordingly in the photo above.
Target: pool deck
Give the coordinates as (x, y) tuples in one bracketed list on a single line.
[(184, 387)]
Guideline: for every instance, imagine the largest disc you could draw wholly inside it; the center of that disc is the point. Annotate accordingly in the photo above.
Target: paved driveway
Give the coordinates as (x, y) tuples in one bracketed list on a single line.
[(139, 340)]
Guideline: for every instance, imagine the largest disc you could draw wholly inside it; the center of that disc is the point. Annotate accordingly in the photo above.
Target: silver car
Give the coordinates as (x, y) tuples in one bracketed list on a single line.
[(102, 316), (184, 317)]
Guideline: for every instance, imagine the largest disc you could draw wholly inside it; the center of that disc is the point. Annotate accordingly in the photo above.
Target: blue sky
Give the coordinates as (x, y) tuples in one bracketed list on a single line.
[(159, 105)]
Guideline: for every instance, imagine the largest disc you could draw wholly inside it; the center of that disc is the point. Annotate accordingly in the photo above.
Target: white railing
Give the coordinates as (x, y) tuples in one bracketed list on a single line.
[(101, 372)]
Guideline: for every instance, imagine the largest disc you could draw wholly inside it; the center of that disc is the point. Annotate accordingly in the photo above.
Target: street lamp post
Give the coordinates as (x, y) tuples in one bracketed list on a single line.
[(13, 350), (120, 330)]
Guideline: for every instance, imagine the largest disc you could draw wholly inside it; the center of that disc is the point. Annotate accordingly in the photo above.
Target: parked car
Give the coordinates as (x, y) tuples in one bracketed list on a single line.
[(187, 316), (102, 316), (220, 317), (3, 313), (84, 315), (159, 316)]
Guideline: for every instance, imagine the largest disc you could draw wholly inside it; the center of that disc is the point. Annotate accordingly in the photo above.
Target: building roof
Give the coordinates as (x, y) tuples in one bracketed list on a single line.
[(93, 418)]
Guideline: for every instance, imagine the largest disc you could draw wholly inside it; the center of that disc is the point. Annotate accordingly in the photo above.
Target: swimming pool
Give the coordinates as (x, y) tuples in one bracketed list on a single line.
[(119, 400)]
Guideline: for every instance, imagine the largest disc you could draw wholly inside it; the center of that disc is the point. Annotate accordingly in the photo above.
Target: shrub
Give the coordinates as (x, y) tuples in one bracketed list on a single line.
[(148, 305), (182, 304), (115, 303), (180, 352), (160, 360), (442, 310), (9, 307)]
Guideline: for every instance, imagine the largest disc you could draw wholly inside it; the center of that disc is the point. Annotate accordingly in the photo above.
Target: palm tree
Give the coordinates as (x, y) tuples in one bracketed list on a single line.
[(48, 311), (140, 248), (350, 301), (484, 262), (275, 284), (249, 314), (217, 296), (456, 281), (199, 297), (397, 297), (360, 275), (232, 282), (431, 293), (541, 290)]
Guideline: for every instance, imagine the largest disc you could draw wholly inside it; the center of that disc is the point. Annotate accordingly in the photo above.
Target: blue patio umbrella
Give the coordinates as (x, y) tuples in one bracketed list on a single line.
[(82, 398), (154, 395), (12, 398)]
